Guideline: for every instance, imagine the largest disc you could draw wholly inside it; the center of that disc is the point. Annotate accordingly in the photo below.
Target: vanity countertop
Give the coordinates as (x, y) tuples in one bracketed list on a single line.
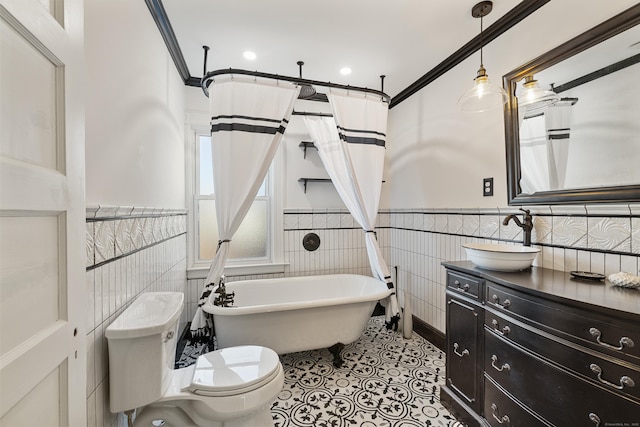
[(556, 285)]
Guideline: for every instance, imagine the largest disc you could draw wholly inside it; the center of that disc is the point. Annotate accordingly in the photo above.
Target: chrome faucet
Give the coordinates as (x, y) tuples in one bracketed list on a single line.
[(223, 299), (526, 225)]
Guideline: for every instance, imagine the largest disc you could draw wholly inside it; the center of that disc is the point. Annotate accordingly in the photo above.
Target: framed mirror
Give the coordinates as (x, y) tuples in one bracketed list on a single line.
[(581, 142)]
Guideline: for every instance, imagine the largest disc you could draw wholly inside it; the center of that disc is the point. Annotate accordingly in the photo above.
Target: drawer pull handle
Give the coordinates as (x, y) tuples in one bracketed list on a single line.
[(625, 381), (504, 367), (465, 352), (496, 301), (624, 341), (496, 327), (501, 419), (463, 288), (594, 419)]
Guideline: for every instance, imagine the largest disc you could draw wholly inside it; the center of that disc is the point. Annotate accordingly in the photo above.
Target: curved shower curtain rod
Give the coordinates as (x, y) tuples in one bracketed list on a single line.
[(207, 77)]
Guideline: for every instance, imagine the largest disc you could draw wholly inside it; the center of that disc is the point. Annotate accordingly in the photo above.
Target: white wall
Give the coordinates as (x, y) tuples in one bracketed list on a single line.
[(134, 110), (437, 155), (134, 158)]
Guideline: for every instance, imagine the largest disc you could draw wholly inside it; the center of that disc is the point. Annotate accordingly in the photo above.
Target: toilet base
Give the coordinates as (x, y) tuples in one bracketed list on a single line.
[(175, 417), (171, 416), (259, 419), (185, 409)]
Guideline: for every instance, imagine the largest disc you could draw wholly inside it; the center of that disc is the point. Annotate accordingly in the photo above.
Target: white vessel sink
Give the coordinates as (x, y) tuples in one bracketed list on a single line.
[(501, 257)]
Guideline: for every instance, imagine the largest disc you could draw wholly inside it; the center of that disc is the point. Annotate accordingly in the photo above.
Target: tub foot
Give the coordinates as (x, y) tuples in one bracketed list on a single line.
[(335, 350), (393, 323)]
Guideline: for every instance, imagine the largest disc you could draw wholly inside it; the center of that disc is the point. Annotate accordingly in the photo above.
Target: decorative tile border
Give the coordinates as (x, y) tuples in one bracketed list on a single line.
[(607, 229), (113, 232)]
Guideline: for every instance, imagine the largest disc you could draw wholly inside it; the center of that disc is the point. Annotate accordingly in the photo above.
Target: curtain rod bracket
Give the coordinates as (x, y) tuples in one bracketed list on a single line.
[(203, 84)]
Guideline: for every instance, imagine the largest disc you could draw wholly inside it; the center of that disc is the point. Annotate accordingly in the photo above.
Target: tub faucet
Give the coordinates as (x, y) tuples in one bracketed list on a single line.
[(526, 225), (223, 299)]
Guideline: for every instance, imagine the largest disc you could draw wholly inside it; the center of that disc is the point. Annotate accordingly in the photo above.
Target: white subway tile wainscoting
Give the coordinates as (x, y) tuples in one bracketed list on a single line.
[(145, 250), (129, 251)]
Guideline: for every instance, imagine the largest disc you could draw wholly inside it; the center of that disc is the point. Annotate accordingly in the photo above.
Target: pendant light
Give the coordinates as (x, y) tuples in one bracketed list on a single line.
[(533, 97), (483, 95)]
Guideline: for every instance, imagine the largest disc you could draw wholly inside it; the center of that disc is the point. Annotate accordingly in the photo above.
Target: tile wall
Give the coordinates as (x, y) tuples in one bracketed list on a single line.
[(415, 242), (599, 239), (129, 251)]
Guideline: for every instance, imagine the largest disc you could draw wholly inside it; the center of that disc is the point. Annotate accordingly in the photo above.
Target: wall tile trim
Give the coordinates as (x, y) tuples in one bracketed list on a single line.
[(114, 232), (607, 229)]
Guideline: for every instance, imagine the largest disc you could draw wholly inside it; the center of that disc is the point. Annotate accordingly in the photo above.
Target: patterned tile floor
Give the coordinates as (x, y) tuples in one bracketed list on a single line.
[(385, 381)]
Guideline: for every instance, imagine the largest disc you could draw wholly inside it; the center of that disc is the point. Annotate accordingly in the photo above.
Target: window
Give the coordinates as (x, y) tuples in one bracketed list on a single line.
[(251, 240), (256, 248)]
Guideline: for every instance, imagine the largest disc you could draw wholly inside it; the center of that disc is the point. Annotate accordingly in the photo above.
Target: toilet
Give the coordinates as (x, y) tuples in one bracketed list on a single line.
[(232, 387)]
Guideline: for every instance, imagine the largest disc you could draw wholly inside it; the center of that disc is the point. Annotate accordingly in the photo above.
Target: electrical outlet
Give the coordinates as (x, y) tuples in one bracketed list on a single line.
[(487, 187)]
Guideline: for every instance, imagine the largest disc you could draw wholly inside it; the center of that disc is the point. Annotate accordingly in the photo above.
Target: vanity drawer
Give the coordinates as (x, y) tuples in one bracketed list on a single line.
[(466, 285), (554, 394), (500, 409), (616, 375), (617, 337), (613, 374)]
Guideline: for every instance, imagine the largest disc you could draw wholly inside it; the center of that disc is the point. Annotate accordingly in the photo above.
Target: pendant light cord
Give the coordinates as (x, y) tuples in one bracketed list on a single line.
[(481, 41)]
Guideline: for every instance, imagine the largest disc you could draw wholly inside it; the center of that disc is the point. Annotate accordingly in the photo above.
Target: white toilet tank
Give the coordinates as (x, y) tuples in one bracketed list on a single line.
[(142, 345)]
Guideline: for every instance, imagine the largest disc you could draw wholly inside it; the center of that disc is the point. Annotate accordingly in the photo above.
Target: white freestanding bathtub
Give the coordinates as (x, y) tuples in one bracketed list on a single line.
[(297, 313)]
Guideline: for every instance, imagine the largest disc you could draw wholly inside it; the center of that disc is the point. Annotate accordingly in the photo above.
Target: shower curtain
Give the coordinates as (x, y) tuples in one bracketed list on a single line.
[(248, 119), (351, 146), (558, 132), (533, 155), (544, 148)]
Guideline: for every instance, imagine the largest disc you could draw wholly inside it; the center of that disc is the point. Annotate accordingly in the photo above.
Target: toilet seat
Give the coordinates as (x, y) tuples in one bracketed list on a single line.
[(234, 370)]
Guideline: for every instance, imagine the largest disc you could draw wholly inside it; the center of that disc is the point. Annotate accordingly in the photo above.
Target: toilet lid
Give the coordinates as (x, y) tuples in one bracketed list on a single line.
[(234, 370)]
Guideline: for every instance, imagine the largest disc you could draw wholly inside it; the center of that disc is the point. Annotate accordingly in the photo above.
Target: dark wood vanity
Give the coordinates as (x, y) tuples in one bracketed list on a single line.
[(540, 348)]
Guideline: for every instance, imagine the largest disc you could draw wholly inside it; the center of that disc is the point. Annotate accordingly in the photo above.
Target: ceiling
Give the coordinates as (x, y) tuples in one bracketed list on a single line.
[(401, 39)]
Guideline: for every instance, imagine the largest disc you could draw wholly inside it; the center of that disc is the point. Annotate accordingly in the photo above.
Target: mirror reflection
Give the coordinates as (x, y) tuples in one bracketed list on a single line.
[(582, 130)]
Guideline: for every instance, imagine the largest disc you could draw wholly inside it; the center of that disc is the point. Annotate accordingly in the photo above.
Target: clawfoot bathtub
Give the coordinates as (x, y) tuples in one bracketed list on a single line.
[(297, 313)]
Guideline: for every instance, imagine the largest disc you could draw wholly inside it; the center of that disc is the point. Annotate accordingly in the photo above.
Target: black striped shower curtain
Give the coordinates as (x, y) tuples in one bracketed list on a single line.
[(248, 119)]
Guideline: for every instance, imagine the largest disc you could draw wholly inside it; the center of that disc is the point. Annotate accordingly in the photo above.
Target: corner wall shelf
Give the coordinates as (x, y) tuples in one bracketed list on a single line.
[(307, 180), (306, 144)]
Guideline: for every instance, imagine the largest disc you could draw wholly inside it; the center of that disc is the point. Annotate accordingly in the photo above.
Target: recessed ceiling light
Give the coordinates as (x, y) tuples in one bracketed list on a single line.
[(345, 71), (249, 55)]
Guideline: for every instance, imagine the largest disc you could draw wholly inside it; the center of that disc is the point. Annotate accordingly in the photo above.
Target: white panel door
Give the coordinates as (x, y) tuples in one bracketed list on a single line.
[(42, 214)]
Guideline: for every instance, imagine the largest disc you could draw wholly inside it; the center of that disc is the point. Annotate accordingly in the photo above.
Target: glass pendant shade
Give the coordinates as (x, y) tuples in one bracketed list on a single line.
[(535, 98), (483, 96)]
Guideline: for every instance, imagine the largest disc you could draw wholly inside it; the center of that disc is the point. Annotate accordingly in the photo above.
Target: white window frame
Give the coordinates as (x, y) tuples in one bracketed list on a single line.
[(197, 125)]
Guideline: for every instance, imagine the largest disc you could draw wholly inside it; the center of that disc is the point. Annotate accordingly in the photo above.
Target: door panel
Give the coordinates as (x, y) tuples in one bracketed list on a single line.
[(29, 96), (30, 272), (42, 214), (40, 407)]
